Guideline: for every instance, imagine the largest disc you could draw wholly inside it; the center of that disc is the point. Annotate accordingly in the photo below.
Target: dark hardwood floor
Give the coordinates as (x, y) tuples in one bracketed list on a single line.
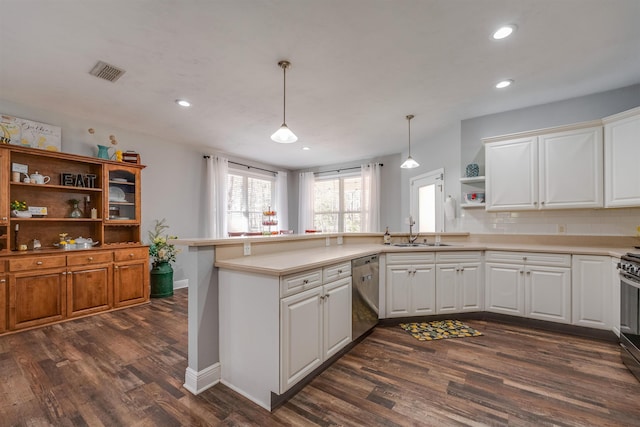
[(126, 368)]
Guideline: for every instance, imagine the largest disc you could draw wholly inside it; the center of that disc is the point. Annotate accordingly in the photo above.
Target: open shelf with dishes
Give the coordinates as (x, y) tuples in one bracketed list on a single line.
[(473, 195)]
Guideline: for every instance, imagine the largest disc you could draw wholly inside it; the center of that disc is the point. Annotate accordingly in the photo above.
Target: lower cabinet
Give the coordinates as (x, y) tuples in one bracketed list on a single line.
[(37, 297), (3, 303), (411, 284), (130, 277), (535, 285), (459, 282), (592, 291), (315, 324), (89, 290)]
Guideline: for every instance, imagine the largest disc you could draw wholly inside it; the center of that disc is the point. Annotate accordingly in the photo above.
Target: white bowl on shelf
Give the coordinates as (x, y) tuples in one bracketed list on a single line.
[(474, 198)]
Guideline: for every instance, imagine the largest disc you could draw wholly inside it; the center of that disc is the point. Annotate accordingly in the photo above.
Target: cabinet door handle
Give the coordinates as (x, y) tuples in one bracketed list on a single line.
[(535, 203), (64, 273), (4, 218), (3, 280), (462, 269), (542, 203), (116, 267), (38, 262), (521, 271), (322, 297), (339, 271), (528, 272), (524, 258)]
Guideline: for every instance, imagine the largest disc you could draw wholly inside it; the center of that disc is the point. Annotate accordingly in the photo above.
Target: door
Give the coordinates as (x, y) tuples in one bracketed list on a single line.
[(399, 279), (548, 293), (301, 335), (571, 167), (447, 288), (36, 298), (512, 175), (504, 287), (592, 290), (427, 201), (336, 316), (130, 283), (423, 290), (621, 154), (88, 290), (470, 288)]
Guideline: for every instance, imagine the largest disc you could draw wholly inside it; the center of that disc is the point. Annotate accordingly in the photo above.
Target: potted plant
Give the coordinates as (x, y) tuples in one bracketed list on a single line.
[(163, 255), (19, 209)]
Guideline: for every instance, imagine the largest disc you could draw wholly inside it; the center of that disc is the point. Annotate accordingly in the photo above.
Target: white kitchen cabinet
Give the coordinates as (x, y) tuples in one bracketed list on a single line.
[(570, 165), (621, 154), (459, 282), (315, 325), (557, 169), (534, 285), (592, 291), (301, 336), (411, 284), (512, 174)]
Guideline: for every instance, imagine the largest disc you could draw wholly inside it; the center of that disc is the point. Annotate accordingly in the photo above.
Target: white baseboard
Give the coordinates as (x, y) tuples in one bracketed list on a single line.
[(198, 381), (179, 284)]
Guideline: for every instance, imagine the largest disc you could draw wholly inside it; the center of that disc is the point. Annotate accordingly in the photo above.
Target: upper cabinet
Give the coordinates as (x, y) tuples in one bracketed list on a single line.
[(559, 168), (621, 153)]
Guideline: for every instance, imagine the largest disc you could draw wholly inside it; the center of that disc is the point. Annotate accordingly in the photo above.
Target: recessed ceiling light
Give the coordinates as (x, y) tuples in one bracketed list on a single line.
[(183, 103), (504, 83), (306, 148), (504, 32)]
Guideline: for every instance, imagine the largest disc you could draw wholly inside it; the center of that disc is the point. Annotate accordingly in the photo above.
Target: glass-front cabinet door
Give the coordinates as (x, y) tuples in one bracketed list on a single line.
[(122, 204)]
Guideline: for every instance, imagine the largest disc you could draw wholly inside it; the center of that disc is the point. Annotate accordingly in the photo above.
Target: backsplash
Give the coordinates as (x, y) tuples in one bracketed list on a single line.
[(609, 222)]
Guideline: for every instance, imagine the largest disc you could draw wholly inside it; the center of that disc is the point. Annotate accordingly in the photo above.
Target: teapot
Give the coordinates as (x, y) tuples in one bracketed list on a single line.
[(37, 178)]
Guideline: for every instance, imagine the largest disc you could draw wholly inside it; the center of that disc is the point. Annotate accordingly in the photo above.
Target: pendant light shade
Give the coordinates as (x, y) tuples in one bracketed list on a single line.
[(409, 163), (284, 134)]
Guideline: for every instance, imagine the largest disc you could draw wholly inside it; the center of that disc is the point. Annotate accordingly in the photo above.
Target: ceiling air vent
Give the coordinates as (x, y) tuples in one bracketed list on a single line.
[(107, 71)]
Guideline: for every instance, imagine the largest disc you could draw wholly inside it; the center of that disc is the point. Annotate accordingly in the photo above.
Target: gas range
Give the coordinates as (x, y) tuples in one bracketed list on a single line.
[(630, 265)]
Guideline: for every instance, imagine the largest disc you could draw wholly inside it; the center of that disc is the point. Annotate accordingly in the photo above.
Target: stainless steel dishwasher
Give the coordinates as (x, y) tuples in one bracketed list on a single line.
[(365, 294)]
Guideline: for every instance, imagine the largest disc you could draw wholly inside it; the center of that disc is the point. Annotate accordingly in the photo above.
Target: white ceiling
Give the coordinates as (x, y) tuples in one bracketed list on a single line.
[(358, 66)]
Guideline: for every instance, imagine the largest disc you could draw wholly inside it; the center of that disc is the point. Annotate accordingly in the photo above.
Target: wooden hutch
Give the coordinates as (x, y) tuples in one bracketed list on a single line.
[(54, 282)]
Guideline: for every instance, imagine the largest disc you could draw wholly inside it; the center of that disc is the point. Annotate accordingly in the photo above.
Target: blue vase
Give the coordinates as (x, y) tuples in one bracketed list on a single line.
[(103, 152), (473, 170)]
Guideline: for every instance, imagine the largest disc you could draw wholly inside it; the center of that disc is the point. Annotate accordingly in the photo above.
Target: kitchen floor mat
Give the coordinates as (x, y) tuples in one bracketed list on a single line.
[(429, 331)]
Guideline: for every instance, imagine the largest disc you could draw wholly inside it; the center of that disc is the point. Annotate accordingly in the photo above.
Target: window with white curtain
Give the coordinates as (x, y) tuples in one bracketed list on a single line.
[(337, 203), (249, 195)]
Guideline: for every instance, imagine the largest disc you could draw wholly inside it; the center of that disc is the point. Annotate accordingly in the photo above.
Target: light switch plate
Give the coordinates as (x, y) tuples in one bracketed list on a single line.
[(247, 248)]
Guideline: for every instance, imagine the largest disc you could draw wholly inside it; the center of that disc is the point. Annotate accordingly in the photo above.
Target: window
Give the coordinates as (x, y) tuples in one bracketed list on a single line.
[(249, 195), (427, 199), (337, 204)]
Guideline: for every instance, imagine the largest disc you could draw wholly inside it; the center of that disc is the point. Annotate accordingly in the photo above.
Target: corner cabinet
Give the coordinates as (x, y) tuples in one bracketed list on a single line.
[(44, 281), (558, 168), (621, 154)]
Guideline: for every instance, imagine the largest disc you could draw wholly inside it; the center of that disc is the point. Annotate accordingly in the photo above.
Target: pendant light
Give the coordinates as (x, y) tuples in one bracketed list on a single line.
[(409, 163), (284, 134)]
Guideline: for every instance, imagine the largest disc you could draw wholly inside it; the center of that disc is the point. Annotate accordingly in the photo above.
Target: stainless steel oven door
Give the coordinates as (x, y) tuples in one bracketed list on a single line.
[(629, 297)]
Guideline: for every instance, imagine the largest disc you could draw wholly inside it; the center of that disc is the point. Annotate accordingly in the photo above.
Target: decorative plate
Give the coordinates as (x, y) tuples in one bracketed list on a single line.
[(116, 194)]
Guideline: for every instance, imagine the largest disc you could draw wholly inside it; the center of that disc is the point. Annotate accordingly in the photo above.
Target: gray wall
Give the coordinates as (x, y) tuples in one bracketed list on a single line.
[(171, 182), (575, 110)]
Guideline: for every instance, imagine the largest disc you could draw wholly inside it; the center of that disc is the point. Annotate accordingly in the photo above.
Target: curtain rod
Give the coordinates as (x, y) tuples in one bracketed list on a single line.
[(247, 166), (344, 169)]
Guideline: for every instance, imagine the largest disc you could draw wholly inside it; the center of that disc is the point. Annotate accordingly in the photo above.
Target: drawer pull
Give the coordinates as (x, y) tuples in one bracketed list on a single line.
[(340, 271), (130, 255), (64, 273), (39, 263), (90, 258), (305, 281), (3, 280), (116, 267)]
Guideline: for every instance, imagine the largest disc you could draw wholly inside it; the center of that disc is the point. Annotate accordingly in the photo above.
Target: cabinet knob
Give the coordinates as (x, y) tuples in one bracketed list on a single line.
[(524, 258), (116, 267), (542, 203), (38, 262), (535, 203), (322, 297), (4, 218), (521, 271), (339, 271), (462, 269), (3, 280), (305, 282), (90, 258), (528, 272), (130, 255), (64, 273)]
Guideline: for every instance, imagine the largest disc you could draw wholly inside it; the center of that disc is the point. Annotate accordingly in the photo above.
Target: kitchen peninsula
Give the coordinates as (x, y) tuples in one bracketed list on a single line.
[(236, 301)]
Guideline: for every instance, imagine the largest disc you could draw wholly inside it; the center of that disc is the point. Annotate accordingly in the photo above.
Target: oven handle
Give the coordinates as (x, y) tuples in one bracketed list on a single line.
[(624, 278)]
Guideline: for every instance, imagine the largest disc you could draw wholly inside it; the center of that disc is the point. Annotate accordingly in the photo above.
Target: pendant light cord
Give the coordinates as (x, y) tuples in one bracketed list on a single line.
[(284, 95)]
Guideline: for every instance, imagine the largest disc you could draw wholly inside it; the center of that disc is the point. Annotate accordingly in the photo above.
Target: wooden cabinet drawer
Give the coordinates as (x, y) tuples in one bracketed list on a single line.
[(37, 262), (335, 272), (295, 283), (530, 258), (130, 254), (466, 256), (89, 258), (411, 258)]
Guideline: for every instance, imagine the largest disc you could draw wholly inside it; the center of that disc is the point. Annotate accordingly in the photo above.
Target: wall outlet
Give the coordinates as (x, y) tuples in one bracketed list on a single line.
[(247, 248), (562, 229), (339, 239), (328, 241)]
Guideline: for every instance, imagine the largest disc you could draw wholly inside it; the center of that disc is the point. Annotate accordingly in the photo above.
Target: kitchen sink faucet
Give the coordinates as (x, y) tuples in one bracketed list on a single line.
[(412, 238)]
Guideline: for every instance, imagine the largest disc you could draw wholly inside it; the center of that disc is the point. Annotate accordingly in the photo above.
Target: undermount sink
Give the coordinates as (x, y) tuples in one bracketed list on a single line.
[(414, 245)]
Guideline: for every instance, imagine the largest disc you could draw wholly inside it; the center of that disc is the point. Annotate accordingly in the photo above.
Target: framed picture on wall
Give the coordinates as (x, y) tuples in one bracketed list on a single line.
[(27, 133)]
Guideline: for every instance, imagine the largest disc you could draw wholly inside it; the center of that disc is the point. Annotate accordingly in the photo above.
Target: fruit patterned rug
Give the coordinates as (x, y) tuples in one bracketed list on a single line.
[(429, 331)]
